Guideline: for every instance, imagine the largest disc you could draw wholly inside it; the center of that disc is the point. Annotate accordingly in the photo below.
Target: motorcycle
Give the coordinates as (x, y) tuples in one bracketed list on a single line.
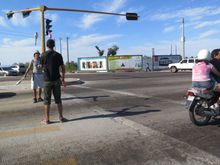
[(202, 105)]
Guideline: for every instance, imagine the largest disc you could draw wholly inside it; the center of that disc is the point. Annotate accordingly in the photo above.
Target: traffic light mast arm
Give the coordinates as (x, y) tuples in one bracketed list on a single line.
[(90, 11), (85, 11), (44, 8), (25, 10)]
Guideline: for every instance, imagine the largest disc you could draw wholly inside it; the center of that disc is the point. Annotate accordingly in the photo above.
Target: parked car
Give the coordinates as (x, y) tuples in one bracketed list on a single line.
[(185, 64), (19, 68), (8, 71)]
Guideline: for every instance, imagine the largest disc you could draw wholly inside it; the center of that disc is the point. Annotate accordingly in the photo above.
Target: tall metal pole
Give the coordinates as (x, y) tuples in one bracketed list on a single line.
[(183, 39), (175, 50), (152, 58), (42, 9), (60, 45), (171, 49), (67, 49)]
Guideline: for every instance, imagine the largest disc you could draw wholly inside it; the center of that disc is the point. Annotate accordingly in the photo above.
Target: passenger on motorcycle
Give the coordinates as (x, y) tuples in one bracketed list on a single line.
[(215, 54), (201, 72)]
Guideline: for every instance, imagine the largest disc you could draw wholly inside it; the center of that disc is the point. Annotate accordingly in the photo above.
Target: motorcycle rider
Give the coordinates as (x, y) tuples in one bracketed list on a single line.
[(215, 54), (201, 72)]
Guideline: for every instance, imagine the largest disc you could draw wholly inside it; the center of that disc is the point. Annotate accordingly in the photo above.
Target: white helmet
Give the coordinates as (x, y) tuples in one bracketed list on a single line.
[(204, 54)]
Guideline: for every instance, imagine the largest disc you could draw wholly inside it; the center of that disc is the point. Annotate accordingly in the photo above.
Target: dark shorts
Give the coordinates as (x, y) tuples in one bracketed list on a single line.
[(55, 87)]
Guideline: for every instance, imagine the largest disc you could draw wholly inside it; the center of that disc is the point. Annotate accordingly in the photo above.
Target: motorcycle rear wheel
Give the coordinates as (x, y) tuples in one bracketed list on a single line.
[(197, 115)]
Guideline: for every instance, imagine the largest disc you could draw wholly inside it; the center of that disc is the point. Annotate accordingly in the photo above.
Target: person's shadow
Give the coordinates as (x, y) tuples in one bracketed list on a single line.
[(5, 95), (94, 98), (215, 121), (121, 113)]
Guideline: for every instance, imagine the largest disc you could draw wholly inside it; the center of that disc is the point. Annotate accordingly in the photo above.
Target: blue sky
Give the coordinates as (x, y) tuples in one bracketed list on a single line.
[(159, 27)]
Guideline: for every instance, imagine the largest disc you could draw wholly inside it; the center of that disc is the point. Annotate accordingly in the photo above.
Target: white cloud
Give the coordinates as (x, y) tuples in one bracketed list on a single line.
[(8, 42), (191, 13), (18, 20), (208, 33), (93, 38), (52, 16), (121, 20), (83, 46), (17, 50), (116, 5), (89, 19), (207, 23), (3, 22), (168, 29)]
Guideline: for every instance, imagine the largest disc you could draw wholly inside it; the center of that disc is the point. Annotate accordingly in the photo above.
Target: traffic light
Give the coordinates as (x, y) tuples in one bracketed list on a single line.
[(48, 26), (132, 16), (10, 14), (26, 13)]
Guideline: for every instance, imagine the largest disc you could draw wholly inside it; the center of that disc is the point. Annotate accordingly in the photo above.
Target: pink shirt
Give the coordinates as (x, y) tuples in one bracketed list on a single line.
[(201, 72)]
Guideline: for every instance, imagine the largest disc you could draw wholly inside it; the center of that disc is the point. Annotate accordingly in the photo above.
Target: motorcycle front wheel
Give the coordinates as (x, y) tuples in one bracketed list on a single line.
[(197, 115)]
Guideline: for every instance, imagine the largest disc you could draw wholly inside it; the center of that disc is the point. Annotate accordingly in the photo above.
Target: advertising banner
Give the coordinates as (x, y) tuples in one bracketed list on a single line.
[(162, 61), (92, 64), (125, 62)]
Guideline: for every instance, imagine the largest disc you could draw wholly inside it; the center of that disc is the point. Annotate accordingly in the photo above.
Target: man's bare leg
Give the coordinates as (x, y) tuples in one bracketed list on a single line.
[(40, 91), (46, 112), (35, 93), (60, 110)]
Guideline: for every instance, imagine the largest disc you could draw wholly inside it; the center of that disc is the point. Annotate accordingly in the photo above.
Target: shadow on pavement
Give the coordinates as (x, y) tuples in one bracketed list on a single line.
[(6, 95), (117, 114), (95, 98), (77, 82), (124, 110), (216, 122)]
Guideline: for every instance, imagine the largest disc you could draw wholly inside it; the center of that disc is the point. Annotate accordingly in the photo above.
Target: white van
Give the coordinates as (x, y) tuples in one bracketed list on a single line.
[(185, 64)]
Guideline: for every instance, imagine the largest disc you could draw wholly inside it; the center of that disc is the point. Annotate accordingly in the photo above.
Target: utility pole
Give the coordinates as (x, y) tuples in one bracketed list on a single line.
[(60, 45), (67, 49), (171, 49), (175, 50), (183, 39), (152, 58)]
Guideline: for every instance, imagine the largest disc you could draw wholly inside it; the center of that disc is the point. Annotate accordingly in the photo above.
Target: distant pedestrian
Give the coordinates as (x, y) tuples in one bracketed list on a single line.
[(148, 68), (52, 62), (36, 78)]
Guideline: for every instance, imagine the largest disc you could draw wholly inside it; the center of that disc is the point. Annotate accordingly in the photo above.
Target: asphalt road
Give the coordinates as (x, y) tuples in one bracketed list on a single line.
[(114, 118)]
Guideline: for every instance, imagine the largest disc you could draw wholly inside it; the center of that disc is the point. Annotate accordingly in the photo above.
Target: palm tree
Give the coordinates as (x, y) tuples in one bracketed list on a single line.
[(113, 50), (101, 52)]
